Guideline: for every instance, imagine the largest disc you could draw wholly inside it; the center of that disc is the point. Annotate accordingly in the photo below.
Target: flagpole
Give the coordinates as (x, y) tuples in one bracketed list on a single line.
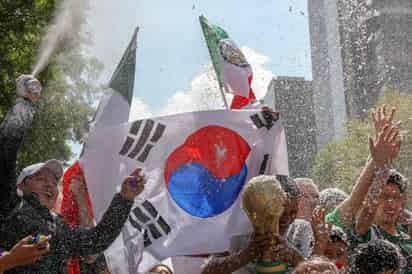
[(223, 96), (214, 67)]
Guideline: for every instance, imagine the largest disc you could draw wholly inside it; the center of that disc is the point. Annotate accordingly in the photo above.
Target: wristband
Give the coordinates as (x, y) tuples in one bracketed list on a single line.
[(276, 267)]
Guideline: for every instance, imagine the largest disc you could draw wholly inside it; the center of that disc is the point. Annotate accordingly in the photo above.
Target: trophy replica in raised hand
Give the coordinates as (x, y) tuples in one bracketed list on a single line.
[(263, 201)]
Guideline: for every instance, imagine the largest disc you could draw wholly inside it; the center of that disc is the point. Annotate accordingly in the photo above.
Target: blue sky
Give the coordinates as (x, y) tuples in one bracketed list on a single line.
[(171, 49)]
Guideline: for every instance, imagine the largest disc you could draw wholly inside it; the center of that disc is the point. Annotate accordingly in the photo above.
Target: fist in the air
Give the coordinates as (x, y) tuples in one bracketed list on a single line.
[(133, 185)]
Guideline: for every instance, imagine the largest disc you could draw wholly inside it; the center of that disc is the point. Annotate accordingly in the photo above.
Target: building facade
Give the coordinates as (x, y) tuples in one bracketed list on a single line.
[(293, 98), (358, 48), (327, 70)]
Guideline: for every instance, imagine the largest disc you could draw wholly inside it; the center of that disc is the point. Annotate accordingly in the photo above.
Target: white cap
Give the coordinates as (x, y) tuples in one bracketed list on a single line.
[(53, 165)]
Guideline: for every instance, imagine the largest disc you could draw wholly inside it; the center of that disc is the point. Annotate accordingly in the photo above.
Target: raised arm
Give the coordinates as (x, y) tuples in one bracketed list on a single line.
[(351, 206), (384, 149), (368, 211), (321, 231), (83, 242), (17, 121)]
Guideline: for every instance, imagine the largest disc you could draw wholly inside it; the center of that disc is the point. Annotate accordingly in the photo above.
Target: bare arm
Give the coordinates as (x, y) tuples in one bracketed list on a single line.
[(227, 264), (83, 242), (321, 231), (234, 261), (384, 149), (368, 211), (285, 252), (350, 207)]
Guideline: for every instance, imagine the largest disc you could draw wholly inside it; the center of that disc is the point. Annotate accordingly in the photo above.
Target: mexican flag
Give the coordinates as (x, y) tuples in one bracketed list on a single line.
[(233, 71), (113, 109)]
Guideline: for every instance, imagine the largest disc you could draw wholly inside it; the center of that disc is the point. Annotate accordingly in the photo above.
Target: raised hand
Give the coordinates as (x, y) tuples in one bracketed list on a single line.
[(133, 185), (381, 117), (28, 87), (387, 145), (269, 115), (258, 245), (283, 251), (321, 230)]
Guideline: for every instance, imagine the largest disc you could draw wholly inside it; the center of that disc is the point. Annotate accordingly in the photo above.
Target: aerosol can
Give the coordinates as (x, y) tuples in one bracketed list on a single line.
[(33, 85)]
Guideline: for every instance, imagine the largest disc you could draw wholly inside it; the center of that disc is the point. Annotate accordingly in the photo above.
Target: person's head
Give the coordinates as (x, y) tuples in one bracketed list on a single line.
[(309, 197), (375, 257), (291, 189), (316, 265), (393, 199), (330, 198), (336, 250), (42, 179), (161, 269)]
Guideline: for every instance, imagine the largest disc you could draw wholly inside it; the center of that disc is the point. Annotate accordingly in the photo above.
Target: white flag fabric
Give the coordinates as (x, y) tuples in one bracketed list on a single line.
[(113, 109), (233, 70), (236, 69), (196, 165)]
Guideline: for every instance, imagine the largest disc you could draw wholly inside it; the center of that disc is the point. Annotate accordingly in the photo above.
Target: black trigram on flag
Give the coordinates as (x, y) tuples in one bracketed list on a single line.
[(267, 121), (143, 135), (264, 164), (146, 219)]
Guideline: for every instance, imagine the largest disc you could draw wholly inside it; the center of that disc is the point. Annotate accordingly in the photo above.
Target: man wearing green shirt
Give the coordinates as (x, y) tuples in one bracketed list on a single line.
[(378, 218), (382, 151)]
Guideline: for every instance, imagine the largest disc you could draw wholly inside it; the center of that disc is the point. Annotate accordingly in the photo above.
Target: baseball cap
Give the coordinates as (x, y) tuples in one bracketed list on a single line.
[(53, 165)]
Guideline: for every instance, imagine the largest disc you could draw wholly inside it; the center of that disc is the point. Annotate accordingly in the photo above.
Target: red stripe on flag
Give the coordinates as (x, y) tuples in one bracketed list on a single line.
[(70, 208), (239, 102)]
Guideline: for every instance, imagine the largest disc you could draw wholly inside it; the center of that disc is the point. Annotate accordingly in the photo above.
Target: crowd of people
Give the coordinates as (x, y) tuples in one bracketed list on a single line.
[(366, 232)]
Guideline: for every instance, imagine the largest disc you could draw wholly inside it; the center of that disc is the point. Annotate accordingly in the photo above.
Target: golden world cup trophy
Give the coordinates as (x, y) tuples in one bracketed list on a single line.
[(263, 201)]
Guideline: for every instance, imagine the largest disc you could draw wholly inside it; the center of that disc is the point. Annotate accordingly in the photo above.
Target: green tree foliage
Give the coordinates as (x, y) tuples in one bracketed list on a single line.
[(68, 89), (340, 162)]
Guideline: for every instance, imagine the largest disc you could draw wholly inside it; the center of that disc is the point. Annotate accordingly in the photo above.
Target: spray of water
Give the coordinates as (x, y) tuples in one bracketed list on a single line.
[(67, 21)]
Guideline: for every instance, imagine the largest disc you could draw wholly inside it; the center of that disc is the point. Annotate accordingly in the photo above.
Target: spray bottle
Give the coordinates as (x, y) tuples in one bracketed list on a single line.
[(33, 85)]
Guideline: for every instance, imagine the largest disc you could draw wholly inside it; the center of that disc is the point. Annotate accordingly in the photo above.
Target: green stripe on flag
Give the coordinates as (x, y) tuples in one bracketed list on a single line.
[(123, 77), (213, 34)]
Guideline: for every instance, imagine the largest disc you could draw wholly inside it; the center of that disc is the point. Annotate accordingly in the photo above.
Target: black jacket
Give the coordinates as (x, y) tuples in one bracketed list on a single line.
[(23, 216), (30, 217), (17, 121)]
